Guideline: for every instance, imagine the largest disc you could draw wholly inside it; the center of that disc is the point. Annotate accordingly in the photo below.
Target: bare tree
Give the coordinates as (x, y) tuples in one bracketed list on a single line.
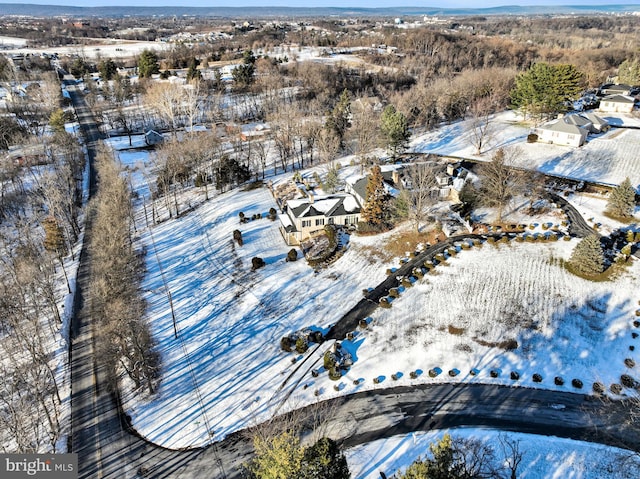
[(500, 181), (420, 191), (512, 454), (482, 129), (364, 128), (167, 100)]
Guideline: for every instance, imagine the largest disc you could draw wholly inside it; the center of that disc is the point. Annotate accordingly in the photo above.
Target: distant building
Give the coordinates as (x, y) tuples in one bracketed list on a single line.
[(152, 137), (617, 104)]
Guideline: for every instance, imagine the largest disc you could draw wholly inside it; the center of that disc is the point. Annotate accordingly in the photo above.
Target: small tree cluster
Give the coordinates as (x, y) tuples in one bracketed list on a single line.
[(237, 237), (376, 208)]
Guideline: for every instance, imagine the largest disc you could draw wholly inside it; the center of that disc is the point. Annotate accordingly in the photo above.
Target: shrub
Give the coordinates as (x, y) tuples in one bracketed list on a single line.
[(356, 382), (329, 360), (286, 344), (634, 335), (598, 388), (636, 324), (515, 375), (494, 373), (576, 383), (532, 138), (453, 372), (272, 214), (292, 255), (434, 372), (396, 376), (350, 336), (455, 331), (567, 238), (627, 381), (242, 218), (377, 380), (237, 236), (316, 337), (385, 303), (558, 381), (301, 345), (615, 388), (537, 378), (406, 282), (637, 312), (394, 293), (413, 374), (630, 363), (334, 374), (363, 323), (256, 263)]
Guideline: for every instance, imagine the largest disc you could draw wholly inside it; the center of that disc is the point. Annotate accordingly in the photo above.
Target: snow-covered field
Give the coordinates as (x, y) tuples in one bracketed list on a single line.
[(225, 370), (542, 456), (606, 158)]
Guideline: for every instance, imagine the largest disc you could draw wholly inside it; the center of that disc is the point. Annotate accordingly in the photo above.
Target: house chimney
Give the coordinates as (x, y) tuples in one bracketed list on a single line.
[(310, 196), (451, 168)]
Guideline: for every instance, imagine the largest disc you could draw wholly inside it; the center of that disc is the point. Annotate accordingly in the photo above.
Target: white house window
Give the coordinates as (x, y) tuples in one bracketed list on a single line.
[(351, 220), (319, 221), (306, 223)]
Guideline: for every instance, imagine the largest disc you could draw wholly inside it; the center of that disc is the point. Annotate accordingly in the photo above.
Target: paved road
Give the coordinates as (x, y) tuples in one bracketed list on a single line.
[(107, 448), (577, 224)]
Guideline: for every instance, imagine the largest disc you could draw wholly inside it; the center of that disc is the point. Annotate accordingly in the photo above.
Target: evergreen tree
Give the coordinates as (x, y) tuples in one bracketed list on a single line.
[(148, 64), (193, 73), (108, 69), (324, 460), (376, 207), (587, 257), (543, 90), (395, 131), (56, 120), (243, 75), (629, 72), (622, 200)]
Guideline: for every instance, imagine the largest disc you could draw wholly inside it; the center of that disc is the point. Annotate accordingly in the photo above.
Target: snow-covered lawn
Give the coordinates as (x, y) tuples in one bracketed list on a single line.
[(454, 320), (606, 158), (543, 456)]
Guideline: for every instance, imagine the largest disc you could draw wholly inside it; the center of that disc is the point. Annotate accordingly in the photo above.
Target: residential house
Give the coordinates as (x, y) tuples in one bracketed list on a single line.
[(307, 217), (616, 89), (617, 104), (598, 124), (561, 132), (449, 182)]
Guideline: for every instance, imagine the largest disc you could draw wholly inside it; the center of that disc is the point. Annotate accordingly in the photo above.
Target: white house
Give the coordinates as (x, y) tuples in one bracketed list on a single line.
[(306, 217), (598, 124), (561, 132), (617, 104)]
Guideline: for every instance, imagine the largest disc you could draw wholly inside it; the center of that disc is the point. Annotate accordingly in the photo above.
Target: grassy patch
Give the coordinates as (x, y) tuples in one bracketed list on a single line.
[(609, 274), (622, 219), (507, 344), (408, 240)]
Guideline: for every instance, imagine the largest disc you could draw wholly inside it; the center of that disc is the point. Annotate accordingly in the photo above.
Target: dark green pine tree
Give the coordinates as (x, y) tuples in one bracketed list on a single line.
[(587, 257), (395, 130), (622, 200), (543, 90), (193, 73), (148, 64), (324, 460)]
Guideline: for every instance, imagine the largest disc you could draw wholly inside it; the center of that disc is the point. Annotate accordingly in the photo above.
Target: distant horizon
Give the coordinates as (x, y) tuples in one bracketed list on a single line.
[(324, 3)]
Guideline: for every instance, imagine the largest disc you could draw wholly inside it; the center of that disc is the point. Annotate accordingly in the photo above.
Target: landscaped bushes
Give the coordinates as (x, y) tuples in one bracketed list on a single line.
[(237, 237), (537, 378), (558, 381), (576, 383), (257, 263)]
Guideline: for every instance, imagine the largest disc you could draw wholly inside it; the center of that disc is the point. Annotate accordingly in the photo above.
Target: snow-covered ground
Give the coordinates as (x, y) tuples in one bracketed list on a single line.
[(606, 158), (542, 456), (226, 370)]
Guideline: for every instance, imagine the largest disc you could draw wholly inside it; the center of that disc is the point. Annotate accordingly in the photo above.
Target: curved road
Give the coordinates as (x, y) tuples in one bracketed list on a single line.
[(108, 448)]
